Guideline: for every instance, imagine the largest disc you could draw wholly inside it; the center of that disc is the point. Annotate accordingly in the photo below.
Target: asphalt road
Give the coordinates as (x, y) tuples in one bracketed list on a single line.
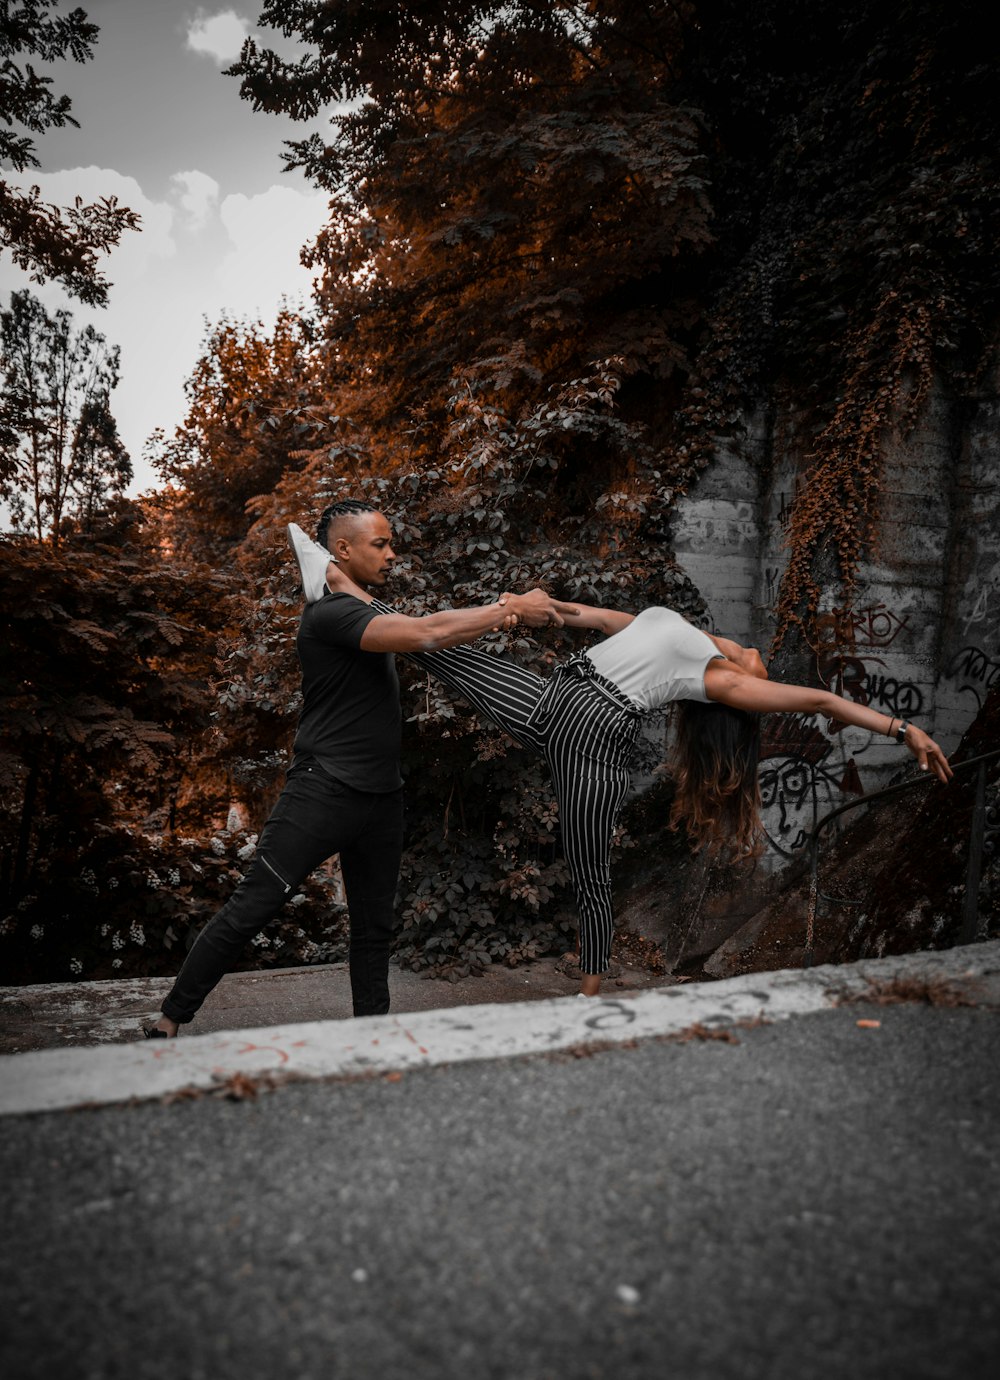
[(795, 1201)]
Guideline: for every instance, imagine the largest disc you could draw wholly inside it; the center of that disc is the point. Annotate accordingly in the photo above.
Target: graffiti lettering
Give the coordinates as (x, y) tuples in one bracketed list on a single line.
[(853, 678), (875, 626), (975, 671), (611, 1014), (980, 609), (848, 676), (898, 697)]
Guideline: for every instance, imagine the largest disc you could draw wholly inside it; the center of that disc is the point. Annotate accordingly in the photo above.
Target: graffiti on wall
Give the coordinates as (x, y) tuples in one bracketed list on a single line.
[(849, 664), (772, 584), (984, 609), (875, 626), (975, 671), (799, 780), (864, 680), (801, 775)]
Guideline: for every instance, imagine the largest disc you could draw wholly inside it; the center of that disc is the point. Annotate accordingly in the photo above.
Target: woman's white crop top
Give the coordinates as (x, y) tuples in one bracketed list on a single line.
[(659, 657)]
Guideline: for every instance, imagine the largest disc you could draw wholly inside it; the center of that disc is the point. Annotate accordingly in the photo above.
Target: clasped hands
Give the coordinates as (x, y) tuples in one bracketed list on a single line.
[(536, 609)]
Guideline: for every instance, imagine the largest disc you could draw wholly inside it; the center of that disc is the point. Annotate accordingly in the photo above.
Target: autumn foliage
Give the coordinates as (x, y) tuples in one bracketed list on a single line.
[(570, 249)]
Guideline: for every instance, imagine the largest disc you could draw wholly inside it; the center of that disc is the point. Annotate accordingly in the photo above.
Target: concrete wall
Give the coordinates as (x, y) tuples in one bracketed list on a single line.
[(924, 638)]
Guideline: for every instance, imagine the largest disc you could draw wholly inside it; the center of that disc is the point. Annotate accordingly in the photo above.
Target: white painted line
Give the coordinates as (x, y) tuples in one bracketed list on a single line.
[(48, 1080)]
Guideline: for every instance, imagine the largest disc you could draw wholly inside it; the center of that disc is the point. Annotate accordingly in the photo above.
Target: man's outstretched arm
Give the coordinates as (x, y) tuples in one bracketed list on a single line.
[(396, 632)]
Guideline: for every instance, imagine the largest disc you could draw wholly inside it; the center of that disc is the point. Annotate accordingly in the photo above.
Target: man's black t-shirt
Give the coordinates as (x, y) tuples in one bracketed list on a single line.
[(351, 720)]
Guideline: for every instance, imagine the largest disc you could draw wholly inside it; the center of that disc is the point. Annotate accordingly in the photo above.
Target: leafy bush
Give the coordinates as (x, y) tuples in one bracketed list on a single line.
[(131, 906)]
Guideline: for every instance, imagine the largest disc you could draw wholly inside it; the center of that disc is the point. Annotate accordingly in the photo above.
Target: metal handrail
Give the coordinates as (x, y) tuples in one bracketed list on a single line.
[(970, 907)]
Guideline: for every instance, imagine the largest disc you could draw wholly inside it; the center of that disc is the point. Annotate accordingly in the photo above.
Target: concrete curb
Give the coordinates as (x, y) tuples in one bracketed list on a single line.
[(50, 1080)]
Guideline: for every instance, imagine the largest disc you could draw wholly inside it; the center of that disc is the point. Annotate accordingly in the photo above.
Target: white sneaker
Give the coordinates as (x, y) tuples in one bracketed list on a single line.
[(313, 560)]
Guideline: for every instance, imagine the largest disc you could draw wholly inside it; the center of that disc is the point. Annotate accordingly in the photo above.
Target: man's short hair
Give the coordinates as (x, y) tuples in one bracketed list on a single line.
[(346, 508)]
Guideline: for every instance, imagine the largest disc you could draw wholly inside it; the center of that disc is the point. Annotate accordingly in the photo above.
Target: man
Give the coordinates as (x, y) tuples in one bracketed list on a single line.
[(343, 791)]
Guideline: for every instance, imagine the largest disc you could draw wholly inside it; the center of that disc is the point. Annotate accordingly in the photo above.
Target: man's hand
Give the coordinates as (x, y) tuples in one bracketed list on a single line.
[(534, 609)]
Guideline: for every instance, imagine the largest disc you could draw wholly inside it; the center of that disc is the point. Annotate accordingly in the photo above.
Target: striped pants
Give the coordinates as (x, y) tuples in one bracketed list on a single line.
[(585, 729)]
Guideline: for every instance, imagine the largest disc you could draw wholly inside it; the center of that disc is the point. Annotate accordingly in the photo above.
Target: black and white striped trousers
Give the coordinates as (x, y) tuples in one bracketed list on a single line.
[(585, 729)]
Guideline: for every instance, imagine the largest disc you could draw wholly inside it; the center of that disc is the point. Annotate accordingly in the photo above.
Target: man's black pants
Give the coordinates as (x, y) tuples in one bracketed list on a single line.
[(315, 817)]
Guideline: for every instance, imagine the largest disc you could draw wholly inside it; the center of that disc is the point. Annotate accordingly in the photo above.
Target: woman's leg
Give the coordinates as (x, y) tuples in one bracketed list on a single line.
[(587, 738), (588, 809), (493, 685), (589, 749)]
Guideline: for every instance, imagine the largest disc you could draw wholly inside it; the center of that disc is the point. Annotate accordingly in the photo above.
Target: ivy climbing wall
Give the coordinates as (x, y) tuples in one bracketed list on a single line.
[(922, 638)]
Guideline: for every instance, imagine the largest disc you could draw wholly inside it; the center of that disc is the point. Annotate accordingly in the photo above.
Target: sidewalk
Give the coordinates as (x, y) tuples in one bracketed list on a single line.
[(56, 1015), (244, 1057)]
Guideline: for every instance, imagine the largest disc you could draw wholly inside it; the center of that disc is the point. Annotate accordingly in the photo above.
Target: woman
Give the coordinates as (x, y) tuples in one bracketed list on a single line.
[(584, 720)]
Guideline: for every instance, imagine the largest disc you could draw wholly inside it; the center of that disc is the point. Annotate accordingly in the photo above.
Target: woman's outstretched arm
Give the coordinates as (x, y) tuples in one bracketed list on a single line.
[(742, 691), (586, 616)]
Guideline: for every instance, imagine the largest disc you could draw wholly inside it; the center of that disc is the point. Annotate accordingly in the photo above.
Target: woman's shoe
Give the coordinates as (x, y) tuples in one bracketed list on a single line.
[(313, 560), (153, 1032)]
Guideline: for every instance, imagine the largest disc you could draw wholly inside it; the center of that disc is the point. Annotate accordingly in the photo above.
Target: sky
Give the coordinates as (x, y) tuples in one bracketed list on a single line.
[(167, 134)]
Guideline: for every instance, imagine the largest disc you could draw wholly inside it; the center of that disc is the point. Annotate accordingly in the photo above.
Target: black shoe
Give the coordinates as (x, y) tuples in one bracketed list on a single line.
[(153, 1032)]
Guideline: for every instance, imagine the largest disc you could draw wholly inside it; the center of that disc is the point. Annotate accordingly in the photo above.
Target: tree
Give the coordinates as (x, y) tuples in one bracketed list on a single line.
[(753, 209), (60, 454), (517, 193), (49, 242), (252, 414), (104, 695), (100, 463)]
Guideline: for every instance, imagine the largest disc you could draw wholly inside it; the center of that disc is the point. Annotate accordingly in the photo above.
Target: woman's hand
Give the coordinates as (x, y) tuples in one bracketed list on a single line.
[(534, 609), (927, 753), (510, 620)]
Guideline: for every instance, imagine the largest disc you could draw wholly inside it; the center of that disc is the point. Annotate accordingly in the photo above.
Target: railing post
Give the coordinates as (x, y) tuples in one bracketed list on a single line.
[(977, 828), (807, 957)]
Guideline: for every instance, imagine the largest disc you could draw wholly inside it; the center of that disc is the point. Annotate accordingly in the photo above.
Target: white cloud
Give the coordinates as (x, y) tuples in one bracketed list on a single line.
[(218, 36), (193, 261), (137, 248), (267, 232), (198, 195)]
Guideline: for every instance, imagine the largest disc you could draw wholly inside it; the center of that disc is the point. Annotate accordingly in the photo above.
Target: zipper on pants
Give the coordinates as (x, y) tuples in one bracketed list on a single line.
[(275, 874)]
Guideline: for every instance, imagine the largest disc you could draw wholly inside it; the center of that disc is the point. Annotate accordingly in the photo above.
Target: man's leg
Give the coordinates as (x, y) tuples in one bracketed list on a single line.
[(370, 867), (305, 827)]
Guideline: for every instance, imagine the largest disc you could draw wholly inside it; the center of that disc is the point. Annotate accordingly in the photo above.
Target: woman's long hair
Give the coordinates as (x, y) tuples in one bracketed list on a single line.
[(713, 764)]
